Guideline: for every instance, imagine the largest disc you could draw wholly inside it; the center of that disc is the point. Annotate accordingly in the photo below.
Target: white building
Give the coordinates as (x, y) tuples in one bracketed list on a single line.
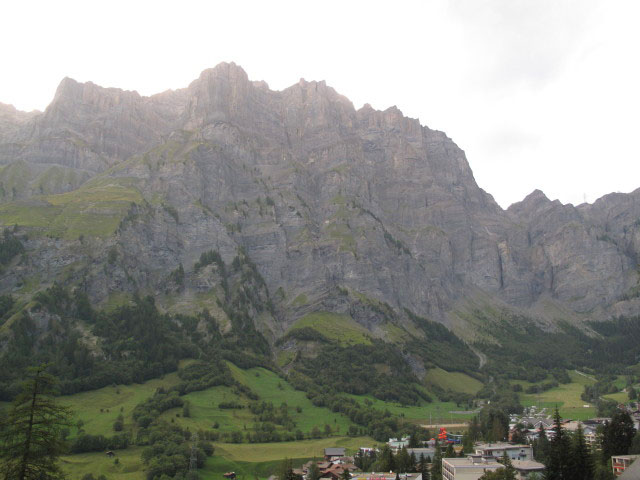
[(473, 467), (497, 450), (469, 468)]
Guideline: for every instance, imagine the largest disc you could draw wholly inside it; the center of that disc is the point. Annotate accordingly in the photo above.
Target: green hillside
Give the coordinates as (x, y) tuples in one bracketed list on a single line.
[(566, 397), (97, 411)]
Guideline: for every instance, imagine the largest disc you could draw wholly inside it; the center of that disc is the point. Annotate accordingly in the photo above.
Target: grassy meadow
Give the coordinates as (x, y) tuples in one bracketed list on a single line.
[(271, 388), (98, 410), (566, 397), (454, 381)]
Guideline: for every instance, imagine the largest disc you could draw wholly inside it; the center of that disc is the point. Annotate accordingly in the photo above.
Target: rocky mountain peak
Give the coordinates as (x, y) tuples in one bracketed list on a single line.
[(532, 204), (89, 97)]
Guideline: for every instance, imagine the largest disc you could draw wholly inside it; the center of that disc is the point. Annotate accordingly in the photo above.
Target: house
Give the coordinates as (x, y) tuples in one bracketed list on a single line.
[(621, 463), (329, 470), (469, 468), (473, 467), (545, 422), (397, 444), (335, 471), (331, 454), (497, 450), (367, 450), (526, 467)]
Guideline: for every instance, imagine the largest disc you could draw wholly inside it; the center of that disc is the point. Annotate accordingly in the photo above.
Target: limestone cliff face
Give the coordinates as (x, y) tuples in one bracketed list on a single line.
[(322, 197)]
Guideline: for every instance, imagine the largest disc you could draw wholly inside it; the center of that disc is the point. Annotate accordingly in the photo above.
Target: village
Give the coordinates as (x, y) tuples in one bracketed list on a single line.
[(410, 462)]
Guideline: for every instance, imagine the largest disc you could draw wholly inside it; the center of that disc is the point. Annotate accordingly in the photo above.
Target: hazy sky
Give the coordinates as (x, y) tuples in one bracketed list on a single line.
[(539, 93)]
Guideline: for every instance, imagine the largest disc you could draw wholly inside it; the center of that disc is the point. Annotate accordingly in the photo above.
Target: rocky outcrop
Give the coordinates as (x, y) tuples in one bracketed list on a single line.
[(321, 196)]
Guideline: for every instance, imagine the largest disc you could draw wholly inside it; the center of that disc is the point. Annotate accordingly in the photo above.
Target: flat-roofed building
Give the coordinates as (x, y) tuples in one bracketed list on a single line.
[(497, 450), (384, 476), (474, 466), (469, 468), (526, 467)]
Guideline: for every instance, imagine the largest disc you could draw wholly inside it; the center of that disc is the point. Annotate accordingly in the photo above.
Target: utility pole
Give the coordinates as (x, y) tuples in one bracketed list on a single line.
[(193, 461)]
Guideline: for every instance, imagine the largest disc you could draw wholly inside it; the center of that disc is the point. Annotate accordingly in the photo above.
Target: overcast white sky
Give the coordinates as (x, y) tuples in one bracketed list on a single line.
[(539, 93)]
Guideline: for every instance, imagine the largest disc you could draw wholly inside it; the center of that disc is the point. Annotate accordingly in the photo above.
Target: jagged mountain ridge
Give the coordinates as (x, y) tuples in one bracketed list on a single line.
[(322, 197)]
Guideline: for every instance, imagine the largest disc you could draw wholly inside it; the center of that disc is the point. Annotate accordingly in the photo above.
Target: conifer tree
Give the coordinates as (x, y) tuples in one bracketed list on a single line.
[(436, 466), (423, 467), (413, 462), (474, 430), (467, 442), (386, 461), (403, 460), (635, 445), (541, 446), (509, 471), (581, 461), (449, 452), (314, 471), (31, 438), (618, 435), (558, 457)]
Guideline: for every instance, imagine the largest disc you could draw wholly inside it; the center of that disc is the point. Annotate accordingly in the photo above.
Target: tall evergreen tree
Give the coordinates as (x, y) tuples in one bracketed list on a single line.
[(31, 438), (581, 459), (618, 435), (436, 466), (467, 442), (386, 461), (509, 471), (413, 462), (474, 430), (558, 457), (423, 467), (541, 446), (449, 452), (518, 434), (314, 471), (403, 460), (635, 445)]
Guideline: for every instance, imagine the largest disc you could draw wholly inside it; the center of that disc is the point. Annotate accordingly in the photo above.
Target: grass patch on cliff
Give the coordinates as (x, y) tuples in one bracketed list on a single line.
[(339, 328), (341, 233), (300, 300), (95, 209), (454, 381)]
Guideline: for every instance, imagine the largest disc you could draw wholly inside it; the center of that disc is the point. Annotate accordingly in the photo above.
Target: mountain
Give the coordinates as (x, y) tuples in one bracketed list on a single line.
[(362, 215)]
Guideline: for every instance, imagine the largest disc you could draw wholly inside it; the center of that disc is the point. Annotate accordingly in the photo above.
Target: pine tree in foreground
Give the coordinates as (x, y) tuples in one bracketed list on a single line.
[(581, 460), (558, 457), (31, 431)]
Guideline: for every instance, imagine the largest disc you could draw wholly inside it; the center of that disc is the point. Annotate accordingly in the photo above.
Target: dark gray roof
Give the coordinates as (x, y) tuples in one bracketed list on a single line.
[(633, 472), (331, 452)]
